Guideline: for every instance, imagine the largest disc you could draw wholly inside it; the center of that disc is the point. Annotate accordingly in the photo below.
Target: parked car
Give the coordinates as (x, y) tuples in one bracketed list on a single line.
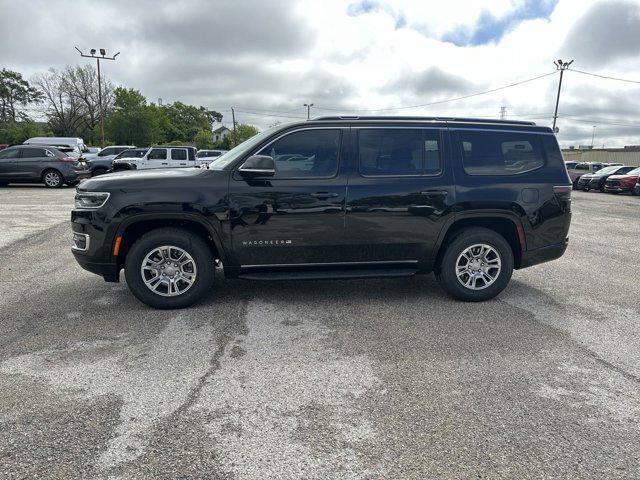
[(577, 169), (467, 199), (101, 162), (636, 190), (3, 145), (93, 150), (596, 181), (203, 156), (159, 157), (623, 183), (61, 143), (35, 163)]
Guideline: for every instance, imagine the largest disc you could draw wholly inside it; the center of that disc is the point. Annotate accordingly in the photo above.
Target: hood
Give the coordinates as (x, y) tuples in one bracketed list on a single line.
[(625, 176), (161, 177)]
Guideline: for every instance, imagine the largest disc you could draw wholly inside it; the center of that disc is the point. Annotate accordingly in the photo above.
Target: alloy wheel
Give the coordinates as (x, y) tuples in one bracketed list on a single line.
[(168, 271), (478, 266)]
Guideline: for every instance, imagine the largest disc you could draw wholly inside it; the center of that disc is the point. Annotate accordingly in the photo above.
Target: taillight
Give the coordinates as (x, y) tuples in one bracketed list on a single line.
[(562, 189), (563, 195), (68, 159)]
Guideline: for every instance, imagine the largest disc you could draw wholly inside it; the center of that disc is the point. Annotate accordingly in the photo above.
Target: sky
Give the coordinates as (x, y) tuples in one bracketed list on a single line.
[(365, 57)]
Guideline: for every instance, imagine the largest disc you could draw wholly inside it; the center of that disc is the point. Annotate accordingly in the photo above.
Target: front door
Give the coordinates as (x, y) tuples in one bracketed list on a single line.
[(8, 157), (155, 158), (297, 216), (400, 193)]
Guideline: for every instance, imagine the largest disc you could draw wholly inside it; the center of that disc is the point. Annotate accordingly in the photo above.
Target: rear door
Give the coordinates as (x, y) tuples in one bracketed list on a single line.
[(31, 162), (399, 194), (179, 158)]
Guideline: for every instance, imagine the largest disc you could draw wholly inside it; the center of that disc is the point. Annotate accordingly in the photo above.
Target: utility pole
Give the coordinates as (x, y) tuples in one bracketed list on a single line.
[(593, 134), (503, 113), (102, 56), (233, 117), (562, 66), (308, 105)]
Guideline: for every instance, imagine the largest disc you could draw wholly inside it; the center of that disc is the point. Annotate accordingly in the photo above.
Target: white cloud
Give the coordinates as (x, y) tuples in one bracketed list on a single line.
[(278, 55)]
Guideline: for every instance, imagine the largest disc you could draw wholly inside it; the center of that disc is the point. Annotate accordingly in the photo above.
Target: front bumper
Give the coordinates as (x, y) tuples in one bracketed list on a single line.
[(617, 188), (97, 257), (109, 271)]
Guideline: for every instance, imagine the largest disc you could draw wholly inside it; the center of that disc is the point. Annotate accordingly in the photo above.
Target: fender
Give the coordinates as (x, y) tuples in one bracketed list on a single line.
[(130, 220)]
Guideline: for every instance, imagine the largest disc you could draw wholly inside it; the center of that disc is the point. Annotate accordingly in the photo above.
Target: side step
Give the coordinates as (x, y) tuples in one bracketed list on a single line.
[(330, 274)]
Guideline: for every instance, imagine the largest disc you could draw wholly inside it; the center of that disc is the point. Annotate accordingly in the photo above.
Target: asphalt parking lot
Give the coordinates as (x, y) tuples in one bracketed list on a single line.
[(328, 379)]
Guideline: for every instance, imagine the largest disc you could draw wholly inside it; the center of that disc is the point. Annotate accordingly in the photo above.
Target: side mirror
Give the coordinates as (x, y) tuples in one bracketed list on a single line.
[(258, 166)]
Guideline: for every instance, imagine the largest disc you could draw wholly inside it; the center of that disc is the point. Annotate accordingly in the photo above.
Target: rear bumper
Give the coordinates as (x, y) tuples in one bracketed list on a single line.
[(543, 254)]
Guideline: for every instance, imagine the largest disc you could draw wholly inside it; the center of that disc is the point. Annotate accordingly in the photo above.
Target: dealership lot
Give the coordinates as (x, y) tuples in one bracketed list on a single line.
[(330, 379)]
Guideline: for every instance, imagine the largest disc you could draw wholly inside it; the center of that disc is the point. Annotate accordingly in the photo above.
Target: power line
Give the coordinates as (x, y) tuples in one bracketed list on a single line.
[(439, 101), (605, 76)]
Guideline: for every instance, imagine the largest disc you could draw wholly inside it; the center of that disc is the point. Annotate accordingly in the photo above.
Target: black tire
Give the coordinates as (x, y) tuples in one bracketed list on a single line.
[(98, 171), (446, 273), (575, 183), (52, 178), (191, 243)]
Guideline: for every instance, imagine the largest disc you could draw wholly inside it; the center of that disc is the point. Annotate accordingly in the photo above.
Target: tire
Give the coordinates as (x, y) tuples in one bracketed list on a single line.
[(52, 178), (586, 189), (98, 171), (468, 238), (194, 246), (575, 183)]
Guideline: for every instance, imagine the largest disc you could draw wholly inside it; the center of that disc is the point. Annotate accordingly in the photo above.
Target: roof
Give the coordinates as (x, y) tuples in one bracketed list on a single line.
[(219, 128), (358, 118)]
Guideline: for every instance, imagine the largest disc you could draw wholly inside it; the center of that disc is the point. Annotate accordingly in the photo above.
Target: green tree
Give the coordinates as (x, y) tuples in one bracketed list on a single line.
[(15, 92), (244, 132), (18, 132), (204, 139), (133, 121), (186, 121)]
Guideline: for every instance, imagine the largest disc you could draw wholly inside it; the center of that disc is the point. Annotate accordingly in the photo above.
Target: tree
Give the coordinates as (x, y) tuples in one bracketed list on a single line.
[(244, 132), (204, 139), (186, 121), (18, 132), (133, 122), (14, 93)]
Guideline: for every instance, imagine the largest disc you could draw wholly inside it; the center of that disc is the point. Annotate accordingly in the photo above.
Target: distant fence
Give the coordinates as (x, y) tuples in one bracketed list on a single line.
[(629, 157)]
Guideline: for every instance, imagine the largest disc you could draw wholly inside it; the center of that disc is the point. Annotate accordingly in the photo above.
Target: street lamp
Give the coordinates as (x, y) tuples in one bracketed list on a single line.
[(562, 66), (308, 105), (103, 52), (593, 134)]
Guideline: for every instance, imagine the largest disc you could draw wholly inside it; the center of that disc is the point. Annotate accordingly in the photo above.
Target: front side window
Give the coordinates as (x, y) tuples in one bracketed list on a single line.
[(500, 153), (157, 154), (305, 154), (9, 153), (398, 152), (178, 154)]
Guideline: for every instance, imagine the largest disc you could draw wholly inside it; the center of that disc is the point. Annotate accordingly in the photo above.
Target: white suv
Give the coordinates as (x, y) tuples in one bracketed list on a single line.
[(159, 157)]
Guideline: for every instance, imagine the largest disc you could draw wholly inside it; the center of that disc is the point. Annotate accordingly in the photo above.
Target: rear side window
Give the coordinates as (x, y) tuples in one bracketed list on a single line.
[(500, 153), (178, 154), (33, 153), (399, 152), (9, 153)]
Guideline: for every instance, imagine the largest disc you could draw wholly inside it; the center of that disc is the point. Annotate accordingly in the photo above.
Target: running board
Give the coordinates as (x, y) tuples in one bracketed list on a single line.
[(330, 274)]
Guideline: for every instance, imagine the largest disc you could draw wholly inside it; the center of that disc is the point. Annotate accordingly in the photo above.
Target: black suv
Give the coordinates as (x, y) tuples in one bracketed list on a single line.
[(336, 197)]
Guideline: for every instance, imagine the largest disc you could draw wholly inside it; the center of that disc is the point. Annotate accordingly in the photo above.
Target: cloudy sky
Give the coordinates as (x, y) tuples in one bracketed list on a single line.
[(268, 57)]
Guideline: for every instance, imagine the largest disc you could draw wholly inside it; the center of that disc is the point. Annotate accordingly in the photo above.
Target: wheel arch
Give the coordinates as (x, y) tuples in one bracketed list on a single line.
[(505, 224), (134, 227)]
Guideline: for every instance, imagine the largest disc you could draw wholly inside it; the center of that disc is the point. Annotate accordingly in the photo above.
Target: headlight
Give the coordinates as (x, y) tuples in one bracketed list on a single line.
[(91, 199)]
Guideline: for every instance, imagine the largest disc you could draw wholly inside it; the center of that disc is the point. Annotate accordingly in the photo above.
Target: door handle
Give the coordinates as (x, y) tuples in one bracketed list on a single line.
[(165, 163), (323, 195), (434, 193)]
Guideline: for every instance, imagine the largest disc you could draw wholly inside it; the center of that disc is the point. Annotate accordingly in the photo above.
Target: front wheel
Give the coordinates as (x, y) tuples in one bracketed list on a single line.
[(169, 268), (476, 265)]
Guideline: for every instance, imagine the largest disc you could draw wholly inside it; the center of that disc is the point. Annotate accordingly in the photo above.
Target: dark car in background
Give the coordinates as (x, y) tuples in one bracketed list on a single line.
[(596, 181), (100, 163), (36, 163), (623, 183)]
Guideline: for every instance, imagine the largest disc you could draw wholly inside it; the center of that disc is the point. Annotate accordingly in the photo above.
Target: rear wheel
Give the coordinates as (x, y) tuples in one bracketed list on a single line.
[(476, 266), (52, 179), (169, 268)]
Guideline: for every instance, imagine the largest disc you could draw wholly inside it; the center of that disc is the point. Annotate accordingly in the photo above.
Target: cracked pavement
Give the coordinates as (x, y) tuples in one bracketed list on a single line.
[(357, 379)]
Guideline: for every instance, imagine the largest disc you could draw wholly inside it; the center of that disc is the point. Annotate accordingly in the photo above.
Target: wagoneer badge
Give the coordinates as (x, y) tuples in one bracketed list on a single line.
[(259, 243)]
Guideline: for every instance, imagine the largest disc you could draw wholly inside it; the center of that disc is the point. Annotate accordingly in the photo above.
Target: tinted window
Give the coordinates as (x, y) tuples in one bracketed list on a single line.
[(9, 153), (500, 153), (33, 153), (178, 154), (582, 166), (106, 151), (307, 153), (157, 154), (398, 151), (624, 170)]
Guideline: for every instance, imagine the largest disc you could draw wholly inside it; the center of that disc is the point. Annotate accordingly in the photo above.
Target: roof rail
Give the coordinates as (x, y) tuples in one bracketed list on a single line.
[(436, 119)]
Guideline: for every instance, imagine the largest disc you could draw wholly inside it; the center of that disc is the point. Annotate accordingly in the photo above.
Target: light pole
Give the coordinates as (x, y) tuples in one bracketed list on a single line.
[(102, 56), (308, 105), (593, 134), (562, 66)]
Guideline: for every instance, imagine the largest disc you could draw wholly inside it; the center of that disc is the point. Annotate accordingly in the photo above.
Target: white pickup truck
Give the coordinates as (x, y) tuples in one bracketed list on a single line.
[(159, 157)]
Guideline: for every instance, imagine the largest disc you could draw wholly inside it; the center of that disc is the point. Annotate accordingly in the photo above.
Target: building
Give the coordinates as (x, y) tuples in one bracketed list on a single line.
[(629, 155), (219, 131)]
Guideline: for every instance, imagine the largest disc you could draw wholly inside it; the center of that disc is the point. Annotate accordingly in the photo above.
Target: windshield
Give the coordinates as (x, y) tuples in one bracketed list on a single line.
[(226, 159), (635, 171), (608, 170)]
